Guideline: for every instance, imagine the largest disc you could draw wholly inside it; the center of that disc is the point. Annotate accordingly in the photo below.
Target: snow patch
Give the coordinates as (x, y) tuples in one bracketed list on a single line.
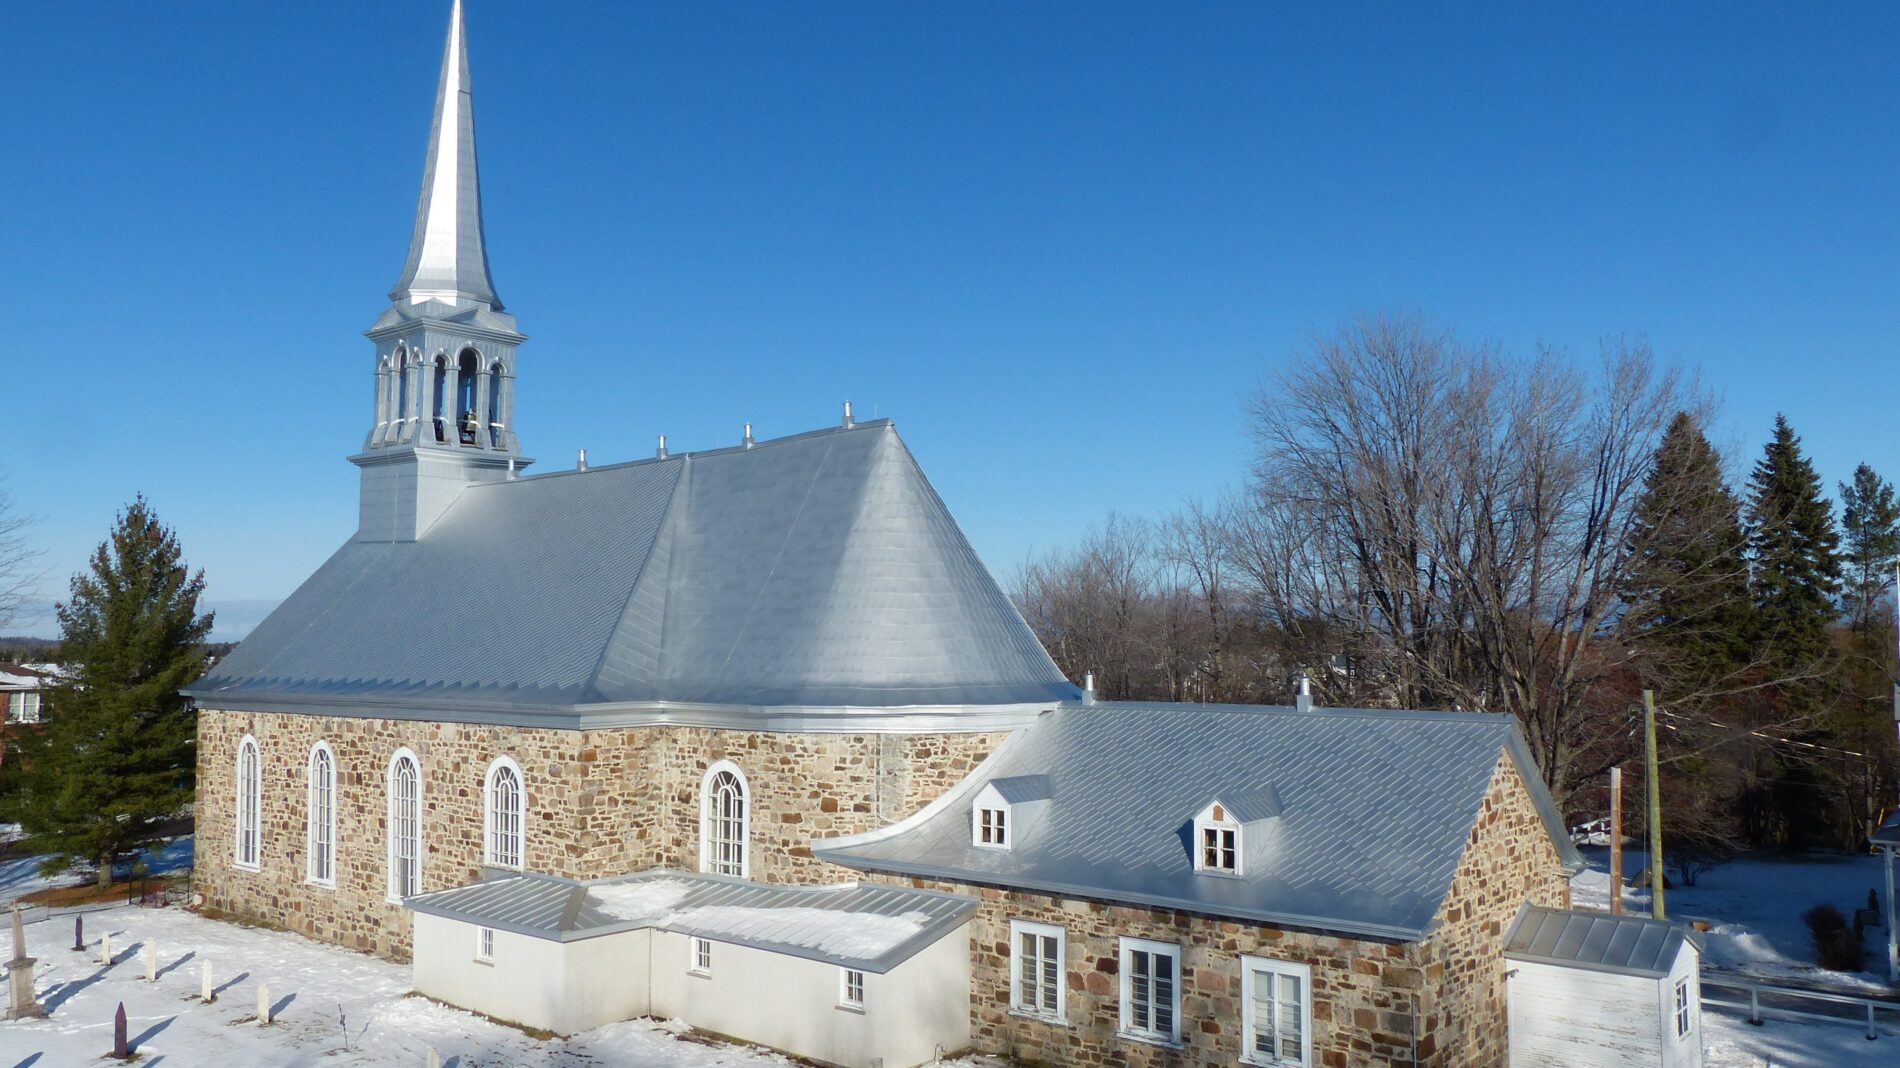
[(648, 900)]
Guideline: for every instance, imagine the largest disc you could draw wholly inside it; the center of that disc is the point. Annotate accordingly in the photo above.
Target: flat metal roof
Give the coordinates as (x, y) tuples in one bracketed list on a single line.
[(1596, 941)]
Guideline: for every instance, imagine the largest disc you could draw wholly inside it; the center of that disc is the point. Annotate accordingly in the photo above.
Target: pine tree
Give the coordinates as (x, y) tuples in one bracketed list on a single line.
[(1794, 550), (1870, 521), (117, 754), (1687, 612)]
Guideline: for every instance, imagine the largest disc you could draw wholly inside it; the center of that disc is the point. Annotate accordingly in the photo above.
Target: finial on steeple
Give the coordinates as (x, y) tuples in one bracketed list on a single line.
[(447, 260)]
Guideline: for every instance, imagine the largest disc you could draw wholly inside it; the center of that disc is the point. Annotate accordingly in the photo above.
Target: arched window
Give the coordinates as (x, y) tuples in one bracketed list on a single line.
[(320, 816), (723, 821), (249, 801), (505, 809), (402, 387), (405, 826), (495, 423), (440, 411), (467, 419)]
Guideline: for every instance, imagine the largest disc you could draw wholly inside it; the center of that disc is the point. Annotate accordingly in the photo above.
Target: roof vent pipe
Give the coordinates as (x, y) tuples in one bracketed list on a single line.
[(1088, 687), (1303, 699), (581, 464), (847, 415), (661, 453), (511, 469), (748, 435)]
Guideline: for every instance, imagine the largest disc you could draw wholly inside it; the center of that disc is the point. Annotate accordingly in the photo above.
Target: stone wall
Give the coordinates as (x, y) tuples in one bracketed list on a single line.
[(1371, 1000), (598, 803)]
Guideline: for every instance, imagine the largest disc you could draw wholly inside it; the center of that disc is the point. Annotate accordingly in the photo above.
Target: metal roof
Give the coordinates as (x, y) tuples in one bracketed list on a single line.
[(1374, 812), (1596, 941), (1888, 833), (447, 259), (879, 927), (815, 572)]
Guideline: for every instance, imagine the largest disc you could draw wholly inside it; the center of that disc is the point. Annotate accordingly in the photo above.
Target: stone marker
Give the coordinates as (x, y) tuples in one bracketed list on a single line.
[(105, 947), (79, 933), (151, 961), (433, 1060), (20, 1002), (263, 1004), (119, 1049), (204, 986)]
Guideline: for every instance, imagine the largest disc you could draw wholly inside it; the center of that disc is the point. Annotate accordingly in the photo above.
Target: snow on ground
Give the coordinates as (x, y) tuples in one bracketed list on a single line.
[(318, 991), (1754, 907), (1732, 1042)]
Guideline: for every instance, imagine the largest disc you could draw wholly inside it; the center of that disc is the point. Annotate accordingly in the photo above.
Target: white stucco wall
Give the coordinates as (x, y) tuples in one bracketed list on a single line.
[(1686, 1051), (532, 981)]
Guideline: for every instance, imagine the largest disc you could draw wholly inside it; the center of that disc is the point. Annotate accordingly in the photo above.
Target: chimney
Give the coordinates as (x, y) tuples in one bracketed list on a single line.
[(847, 415), (1303, 700), (1088, 687), (581, 464), (748, 435), (661, 452)]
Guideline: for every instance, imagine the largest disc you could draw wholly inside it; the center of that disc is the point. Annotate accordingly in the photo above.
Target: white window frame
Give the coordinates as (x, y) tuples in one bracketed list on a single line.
[(320, 817), (501, 829), (247, 816), (484, 945), (1128, 1030), (1250, 967), (709, 861), (851, 989), (699, 957), (391, 833), (1685, 1010), (989, 826), (1018, 1003), (23, 706), (1218, 820)]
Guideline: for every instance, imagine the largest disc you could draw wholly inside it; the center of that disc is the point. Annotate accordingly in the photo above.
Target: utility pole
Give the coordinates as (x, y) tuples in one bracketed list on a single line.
[(1616, 840), (1655, 808)]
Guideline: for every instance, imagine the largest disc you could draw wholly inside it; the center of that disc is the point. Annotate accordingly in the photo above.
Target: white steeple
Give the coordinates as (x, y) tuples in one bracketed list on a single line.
[(447, 261)]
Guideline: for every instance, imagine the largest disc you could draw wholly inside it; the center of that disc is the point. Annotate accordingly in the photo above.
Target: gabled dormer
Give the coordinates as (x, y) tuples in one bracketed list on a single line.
[(1233, 832), (1007, 810)]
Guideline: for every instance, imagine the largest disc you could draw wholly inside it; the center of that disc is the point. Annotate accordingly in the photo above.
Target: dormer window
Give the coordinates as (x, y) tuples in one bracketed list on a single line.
[(1218, 834), (992, 826)]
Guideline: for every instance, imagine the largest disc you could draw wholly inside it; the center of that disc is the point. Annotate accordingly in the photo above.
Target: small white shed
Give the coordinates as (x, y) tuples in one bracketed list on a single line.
[(1592, 989), (859, 975)]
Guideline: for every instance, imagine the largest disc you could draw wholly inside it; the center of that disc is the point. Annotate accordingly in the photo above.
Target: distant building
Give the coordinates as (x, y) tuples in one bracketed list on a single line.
[(24, 689), (603, 742)]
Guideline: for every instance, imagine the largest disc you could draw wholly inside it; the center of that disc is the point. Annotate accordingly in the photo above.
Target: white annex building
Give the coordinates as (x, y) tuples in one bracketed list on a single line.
[(750, 738)]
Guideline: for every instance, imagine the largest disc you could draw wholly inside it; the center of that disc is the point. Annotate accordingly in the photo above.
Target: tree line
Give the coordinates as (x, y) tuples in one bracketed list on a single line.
[(1434, 523)]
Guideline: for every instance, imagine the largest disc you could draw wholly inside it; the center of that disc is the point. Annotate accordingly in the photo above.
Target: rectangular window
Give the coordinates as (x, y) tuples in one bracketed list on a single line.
[(1151, 991), (1219, 849), (992, 827), (23, 708), (485, 944), (1276, 1001), (851, 990), (1683, 1022), (702, 957), (1036, 968)]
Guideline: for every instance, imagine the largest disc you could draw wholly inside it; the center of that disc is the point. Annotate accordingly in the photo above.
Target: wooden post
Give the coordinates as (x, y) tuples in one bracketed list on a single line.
[(1616, 840), (1655, 808)]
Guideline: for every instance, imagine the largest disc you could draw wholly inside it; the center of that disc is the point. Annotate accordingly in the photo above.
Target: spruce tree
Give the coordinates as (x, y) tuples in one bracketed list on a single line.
[(1794, 551), (1687, 612), (1870, 523), (116, 757)]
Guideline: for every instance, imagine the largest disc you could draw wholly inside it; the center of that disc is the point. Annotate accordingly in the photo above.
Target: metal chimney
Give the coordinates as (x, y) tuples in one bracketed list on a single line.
[(847, 415), (748, 435), (1303, 699), (581, 464), (661, 452), (1088, 687)]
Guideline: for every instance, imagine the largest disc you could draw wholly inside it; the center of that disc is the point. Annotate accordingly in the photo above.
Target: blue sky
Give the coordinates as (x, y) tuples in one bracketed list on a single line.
[(1058, 243)]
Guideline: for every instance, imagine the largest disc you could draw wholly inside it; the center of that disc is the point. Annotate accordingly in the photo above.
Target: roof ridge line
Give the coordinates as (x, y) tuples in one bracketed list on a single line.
[(660, 530)]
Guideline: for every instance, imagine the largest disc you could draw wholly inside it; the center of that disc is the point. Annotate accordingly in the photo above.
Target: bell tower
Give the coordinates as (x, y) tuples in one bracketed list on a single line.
[(445, 349)]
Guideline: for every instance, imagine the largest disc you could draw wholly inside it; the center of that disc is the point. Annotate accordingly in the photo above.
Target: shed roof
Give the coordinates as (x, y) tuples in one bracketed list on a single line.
[(855, 925), (1596, 941), (1373, 811), (819, 571)]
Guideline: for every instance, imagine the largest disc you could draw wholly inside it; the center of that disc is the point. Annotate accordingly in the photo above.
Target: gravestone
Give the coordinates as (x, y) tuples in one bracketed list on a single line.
[(20, 1002)]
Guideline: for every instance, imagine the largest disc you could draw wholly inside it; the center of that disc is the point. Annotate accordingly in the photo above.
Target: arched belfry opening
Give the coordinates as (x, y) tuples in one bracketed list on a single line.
[(439, 412), (497, 385), (467, 397)]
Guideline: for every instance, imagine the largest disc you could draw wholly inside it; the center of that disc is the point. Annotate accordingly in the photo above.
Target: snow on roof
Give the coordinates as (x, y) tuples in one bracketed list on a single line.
[(856, 925), (1596, 941)]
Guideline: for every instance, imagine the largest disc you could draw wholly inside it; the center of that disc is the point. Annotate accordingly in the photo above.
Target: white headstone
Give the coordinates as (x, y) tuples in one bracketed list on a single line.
[(263, 1003), (204, 986), (433, 1060), (151, 962), (105, 947)]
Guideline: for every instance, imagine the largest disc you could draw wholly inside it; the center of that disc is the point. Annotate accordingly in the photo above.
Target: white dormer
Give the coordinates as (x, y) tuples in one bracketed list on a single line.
[(1006, 809), (1230, 833)]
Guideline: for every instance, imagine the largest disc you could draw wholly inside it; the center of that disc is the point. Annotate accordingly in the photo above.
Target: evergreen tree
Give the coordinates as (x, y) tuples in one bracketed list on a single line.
[(1687, 612), (1794, 550), (1870, 521), (117, 754)]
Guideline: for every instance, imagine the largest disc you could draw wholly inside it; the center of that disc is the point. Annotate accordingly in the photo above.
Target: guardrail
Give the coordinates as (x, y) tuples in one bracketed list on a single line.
[(1857, 1010)]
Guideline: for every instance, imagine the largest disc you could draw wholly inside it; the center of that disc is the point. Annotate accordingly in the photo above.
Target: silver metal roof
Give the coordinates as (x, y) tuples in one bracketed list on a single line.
[(1596, 941), (447, 260), (809, 577), (1374, 808), (879, 927)]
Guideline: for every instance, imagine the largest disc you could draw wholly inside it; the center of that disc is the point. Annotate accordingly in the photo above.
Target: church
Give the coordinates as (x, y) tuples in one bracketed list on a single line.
[(750, 738)]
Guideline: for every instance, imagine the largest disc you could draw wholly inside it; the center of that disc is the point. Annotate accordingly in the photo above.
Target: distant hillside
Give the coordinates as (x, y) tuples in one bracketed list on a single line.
[(18, 650)]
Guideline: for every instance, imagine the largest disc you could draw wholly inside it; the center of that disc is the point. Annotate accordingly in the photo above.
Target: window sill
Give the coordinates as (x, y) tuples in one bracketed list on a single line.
[(855, 1010), (1261, 1062), (698, 973), (489, 963), (321, 884), (241, 866), (1040, 1017), (1149, 1038)]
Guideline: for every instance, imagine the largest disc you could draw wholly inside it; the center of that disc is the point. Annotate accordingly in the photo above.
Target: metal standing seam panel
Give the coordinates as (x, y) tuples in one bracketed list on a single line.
[(1597, 941)]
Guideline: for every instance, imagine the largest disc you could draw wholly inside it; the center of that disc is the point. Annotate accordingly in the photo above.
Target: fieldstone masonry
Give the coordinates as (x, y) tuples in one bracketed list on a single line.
[(598, 803)]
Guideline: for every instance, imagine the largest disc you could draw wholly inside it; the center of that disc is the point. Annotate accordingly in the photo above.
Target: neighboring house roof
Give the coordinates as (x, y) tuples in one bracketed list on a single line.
[(20, 677), (812, 574), (855, 925), (1888, 833), (1596, 941), (1374, 810)]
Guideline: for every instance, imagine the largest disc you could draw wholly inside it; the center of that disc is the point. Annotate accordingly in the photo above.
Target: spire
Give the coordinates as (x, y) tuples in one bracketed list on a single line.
[(447, 260)]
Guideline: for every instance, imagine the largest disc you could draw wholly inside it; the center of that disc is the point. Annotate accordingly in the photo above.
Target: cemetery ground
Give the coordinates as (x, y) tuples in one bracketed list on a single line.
[(332, 1006)]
